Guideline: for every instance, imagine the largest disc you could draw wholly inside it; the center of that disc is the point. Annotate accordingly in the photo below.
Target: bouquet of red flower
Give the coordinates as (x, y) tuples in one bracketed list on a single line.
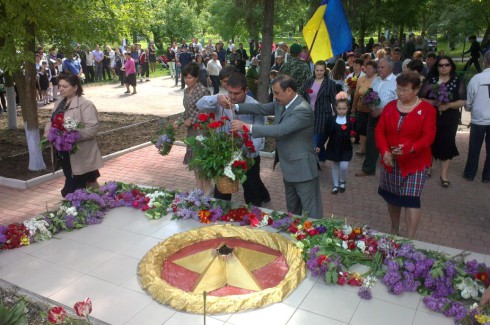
[(63, 134), (218, 152), (351, 82), (371, 98)]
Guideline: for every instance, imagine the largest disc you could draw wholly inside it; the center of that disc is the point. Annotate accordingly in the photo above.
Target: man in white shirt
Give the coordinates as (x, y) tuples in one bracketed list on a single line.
[(214, 67), (478, 104), (385, 85)]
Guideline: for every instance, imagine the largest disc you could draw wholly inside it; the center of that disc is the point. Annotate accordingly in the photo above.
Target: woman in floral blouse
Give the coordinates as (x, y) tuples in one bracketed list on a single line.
[(194, 91)]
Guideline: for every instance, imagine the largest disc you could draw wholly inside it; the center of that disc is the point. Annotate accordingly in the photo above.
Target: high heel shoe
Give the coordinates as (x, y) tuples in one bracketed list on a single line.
[(444, 183), (335, 190)]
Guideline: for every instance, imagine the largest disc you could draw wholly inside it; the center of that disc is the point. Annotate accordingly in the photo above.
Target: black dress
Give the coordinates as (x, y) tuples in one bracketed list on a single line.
[(339, 146), (444, 145)]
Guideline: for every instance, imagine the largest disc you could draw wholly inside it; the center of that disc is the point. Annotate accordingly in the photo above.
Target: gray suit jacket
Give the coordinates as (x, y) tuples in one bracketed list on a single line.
[(293, 129)]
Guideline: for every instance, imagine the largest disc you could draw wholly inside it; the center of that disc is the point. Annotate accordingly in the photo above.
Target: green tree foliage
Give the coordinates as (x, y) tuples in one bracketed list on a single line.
[(174, 20), (26, 23)]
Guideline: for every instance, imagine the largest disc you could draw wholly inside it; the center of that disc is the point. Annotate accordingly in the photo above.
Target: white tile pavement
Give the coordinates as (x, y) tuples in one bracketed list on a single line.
[(101, 261)]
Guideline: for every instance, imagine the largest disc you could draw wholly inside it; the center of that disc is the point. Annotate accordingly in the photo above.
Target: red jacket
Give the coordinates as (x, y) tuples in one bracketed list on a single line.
[(416, 135)]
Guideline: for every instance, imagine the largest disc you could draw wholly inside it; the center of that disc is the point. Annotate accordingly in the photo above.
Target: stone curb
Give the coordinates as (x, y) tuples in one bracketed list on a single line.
[(41, 301), (24, 185)]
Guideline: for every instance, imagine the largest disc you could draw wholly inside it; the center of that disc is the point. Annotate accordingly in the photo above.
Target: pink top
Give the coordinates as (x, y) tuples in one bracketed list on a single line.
[(315, 87), (129, 66)]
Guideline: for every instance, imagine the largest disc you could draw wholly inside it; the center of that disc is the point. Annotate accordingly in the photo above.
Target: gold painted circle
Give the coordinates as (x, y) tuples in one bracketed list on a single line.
[(149, 271)]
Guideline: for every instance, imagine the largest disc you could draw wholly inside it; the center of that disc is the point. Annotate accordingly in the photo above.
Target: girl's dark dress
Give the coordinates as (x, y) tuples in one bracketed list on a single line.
[(339, 146)]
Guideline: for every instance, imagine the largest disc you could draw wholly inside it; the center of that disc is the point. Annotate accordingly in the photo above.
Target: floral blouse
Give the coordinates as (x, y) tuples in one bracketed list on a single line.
[(190, 99)]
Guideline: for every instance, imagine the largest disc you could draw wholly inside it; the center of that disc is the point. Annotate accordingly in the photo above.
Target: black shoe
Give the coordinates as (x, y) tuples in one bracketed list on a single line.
[(342, 187), (444, 183), (335, 190), (468, 178)]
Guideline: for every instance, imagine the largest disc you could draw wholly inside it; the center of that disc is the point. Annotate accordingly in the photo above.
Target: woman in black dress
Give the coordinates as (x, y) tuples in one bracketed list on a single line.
[(447, 93)]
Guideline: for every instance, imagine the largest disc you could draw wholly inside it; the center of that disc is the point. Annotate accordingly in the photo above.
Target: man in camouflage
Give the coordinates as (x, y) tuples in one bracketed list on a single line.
[(296, 68)]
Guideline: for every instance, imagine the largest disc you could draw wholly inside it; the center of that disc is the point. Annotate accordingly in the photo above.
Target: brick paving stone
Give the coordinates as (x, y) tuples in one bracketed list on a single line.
[(458, 216)]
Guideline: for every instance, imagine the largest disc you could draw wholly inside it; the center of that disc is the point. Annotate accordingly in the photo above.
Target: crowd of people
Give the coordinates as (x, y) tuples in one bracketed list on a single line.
[(321, 110), (410, 126)]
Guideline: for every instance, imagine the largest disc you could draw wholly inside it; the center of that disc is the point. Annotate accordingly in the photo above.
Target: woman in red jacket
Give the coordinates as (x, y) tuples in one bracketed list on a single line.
[(405, 132)]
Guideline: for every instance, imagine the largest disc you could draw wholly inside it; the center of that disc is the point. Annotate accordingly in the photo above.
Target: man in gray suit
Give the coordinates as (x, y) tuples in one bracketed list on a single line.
[(293, 129)]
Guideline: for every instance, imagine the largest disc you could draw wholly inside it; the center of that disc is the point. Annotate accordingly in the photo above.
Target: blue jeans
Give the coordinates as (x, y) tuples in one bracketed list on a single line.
[(477, 134), (98, 71)]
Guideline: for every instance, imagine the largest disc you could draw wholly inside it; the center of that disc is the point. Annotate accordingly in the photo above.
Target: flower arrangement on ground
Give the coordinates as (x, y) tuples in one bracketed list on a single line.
[(165, 140), (218, 152), (331, 247), (58, 315), (63, 134), (371, 98)]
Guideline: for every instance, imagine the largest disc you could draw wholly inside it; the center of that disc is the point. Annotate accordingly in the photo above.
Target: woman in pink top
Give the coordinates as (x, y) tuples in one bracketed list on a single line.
[(130, 69)]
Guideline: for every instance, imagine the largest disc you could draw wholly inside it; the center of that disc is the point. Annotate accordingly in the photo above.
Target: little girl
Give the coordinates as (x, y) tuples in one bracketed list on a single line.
[(339, 146)]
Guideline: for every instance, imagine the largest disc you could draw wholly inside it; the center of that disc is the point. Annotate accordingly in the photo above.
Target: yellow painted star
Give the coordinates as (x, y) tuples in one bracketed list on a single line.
[(226, 266)]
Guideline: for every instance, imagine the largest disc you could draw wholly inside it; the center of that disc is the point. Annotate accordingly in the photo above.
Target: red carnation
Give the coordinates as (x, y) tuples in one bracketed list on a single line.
[(343, 127), (351, 244), (203, 117), (58, 121), (224, 117), (215, 125), (321, 259), (309, 91), (212, 115), (293, 229), (341, 280), (245, 129)]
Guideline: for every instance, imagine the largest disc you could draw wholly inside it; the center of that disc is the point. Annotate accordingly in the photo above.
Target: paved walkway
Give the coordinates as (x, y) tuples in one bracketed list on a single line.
[(456, 217)]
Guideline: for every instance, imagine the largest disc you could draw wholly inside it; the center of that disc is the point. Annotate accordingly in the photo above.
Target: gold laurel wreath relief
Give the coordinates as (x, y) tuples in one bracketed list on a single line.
[(149, 271)]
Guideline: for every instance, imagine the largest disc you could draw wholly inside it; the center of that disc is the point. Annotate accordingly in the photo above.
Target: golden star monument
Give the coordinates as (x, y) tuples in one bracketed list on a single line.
[(226, 266)]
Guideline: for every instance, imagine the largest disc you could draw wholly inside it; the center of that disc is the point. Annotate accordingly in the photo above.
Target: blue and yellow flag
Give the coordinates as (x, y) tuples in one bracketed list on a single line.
[(328, 33)]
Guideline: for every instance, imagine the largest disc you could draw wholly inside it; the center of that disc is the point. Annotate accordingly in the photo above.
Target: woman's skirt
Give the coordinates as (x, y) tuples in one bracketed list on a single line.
[(401, 191)]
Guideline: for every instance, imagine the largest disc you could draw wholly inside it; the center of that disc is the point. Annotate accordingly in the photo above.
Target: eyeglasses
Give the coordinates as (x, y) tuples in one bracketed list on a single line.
[(444, 65)]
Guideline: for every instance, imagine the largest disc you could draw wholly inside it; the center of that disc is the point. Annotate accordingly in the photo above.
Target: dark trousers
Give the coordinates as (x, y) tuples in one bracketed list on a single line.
[(477, 134), (3, 101), (177, 74), (473, 60), (145, 70), (106, 69), (182, 83), (254, 190), (372, 154), (215, 82), (122, 76), (90, 73)]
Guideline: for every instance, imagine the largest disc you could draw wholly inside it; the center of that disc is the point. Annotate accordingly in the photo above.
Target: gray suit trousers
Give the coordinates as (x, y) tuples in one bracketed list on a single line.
[(304, 197)]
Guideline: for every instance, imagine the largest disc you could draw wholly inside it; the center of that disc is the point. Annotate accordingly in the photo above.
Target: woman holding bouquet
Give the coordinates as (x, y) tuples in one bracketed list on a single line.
[(80, 164), (320, 92), (404, 135), (194, 91), (447, 93), (362, 110)]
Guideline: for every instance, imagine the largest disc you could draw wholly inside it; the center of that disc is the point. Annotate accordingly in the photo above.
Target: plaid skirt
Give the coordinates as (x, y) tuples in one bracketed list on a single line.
[(401, 191)]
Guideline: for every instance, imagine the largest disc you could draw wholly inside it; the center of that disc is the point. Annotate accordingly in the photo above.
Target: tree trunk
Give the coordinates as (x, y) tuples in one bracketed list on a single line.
[(26, 86), (265, 54), (486, 37), (11, 105)]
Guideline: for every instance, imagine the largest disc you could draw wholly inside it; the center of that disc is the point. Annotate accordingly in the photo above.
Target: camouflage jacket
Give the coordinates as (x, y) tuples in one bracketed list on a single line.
[(297, 69)]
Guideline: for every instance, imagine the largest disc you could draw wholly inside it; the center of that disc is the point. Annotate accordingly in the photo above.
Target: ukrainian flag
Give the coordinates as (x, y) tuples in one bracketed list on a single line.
[(328, 33)]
